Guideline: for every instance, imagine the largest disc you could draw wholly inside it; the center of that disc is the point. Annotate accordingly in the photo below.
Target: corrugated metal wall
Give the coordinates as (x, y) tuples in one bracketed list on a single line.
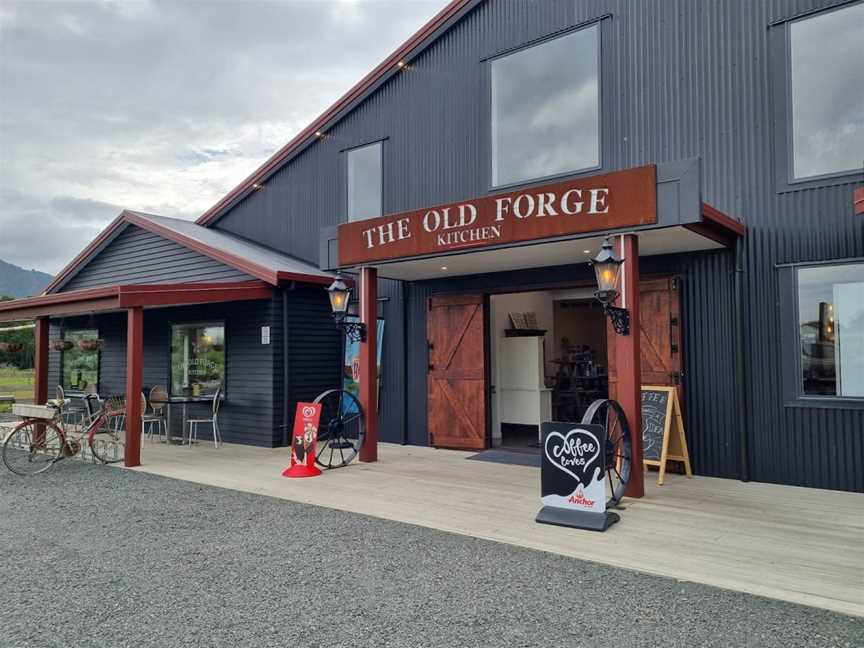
[(679, 79)]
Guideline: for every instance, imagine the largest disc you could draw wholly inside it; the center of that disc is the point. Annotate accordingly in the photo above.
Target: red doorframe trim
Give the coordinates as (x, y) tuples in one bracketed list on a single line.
[(369, 362)]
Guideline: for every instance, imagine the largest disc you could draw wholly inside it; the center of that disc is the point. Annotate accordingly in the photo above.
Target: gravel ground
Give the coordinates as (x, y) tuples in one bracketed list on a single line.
[(98, 556)]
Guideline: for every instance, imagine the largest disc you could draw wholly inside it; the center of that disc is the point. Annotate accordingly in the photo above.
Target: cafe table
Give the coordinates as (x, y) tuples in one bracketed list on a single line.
[(184, 402)]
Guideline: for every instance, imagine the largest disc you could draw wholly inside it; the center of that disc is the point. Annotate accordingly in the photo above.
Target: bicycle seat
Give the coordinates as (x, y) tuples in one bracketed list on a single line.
[(58, 403)]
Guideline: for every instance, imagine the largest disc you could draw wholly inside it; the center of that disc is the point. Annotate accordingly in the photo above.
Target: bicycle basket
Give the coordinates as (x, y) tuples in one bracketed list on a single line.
[(115, 406)]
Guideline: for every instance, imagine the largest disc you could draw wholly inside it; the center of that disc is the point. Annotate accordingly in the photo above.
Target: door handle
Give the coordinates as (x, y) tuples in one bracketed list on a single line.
[(429, 347)]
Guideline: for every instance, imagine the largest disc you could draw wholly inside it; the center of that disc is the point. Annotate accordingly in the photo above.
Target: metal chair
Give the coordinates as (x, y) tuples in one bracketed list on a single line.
[(155, 417), (214, 421), (71, 416)]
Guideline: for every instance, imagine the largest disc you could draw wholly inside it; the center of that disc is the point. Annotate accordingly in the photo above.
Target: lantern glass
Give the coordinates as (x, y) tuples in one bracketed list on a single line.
[(606, 269), (339, 295)]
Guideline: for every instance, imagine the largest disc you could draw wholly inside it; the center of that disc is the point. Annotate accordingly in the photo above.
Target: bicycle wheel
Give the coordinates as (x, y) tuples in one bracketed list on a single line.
[(107, 445), (618, 451), (32, 447), (341, 429)]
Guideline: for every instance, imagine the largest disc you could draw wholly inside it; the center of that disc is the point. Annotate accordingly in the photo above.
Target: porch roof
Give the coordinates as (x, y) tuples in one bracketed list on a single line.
[(251, 258), (115, 298)]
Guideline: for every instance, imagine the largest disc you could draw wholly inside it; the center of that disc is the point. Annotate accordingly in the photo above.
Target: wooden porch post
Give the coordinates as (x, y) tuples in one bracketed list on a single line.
[(134, 373), (369, 361), (628, 360), (40, 361)]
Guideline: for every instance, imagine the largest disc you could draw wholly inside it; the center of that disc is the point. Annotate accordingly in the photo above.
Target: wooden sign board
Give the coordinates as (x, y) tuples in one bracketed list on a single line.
[(597, 203), (663, 437)]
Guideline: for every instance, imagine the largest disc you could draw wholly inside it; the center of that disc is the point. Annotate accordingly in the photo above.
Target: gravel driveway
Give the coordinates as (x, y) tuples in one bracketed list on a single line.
[(99, 556)]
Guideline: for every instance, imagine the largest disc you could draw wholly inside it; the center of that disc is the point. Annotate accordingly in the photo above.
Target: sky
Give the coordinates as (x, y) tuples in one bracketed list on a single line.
[(163, 106)]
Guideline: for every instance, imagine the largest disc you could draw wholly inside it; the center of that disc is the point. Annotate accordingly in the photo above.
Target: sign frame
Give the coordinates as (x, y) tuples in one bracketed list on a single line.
[(305, 436), (674, 441)]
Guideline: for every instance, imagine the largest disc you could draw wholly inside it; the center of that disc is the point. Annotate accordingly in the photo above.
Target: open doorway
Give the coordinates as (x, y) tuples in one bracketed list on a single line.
[(547, 362)]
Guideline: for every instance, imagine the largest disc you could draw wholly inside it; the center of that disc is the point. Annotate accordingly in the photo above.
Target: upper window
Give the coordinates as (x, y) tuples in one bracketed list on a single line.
[(81, 361), (831, 329), (546, 109), (364, 182), (197, 359), (826, 93)]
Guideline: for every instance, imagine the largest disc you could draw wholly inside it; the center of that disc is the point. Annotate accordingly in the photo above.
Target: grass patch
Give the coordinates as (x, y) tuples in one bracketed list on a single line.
[(17, 383)]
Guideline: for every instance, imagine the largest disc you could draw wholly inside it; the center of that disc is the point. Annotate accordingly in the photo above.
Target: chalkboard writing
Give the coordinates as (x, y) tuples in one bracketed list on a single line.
[(654, 407)]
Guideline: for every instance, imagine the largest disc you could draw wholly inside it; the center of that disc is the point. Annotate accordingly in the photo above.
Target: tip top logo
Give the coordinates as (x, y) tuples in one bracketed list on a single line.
[(308, 411)]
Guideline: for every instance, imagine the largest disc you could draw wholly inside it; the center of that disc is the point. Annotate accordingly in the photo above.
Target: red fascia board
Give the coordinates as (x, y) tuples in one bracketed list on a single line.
[(717, 226), (82, 301), (858, 200), (86, 252), (182, 294), (389, 65), (260, 272), (302, 277)]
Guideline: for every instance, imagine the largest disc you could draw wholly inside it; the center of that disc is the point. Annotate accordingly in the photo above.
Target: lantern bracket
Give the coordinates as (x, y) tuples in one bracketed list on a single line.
[(620, 318), (354, 331)]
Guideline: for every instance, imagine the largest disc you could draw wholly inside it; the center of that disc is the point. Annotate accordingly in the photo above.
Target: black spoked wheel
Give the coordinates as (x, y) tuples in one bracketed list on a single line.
[(107, 442), (341, 429), (33, 447), (618, 450)]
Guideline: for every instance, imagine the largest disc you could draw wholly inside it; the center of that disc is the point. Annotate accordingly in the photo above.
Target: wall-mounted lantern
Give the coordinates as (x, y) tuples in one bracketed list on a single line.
[(607, 267), (340, 297)]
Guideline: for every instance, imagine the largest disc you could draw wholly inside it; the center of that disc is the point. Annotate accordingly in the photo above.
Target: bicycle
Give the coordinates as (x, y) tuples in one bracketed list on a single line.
[(42, 439)]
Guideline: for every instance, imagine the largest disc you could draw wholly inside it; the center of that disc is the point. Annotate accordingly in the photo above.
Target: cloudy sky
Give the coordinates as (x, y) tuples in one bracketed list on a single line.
[(163, 105)]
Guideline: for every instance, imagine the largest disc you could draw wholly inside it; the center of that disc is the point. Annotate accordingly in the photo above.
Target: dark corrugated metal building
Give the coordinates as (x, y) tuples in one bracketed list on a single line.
[(730, 104)]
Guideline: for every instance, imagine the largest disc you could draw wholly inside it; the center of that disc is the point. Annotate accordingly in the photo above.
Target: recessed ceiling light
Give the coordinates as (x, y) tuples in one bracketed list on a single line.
[(587, 251), (443, 267)]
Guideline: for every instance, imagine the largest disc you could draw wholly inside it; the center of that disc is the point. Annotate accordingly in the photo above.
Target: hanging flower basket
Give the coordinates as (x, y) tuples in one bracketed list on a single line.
[(218, 347), (61, 345), (11, 347), (89, 345)]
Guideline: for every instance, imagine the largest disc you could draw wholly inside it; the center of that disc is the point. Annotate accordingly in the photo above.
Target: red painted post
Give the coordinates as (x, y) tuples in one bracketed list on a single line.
[(40, 361), (628, 360), (369, 361), (134, 373)]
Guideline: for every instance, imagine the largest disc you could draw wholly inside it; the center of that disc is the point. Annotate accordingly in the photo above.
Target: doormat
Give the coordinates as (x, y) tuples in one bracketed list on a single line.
[(508, 457)]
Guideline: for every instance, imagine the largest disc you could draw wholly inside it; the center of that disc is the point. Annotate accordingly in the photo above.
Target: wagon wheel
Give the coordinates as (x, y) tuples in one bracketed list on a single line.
[(618, 451), (341, 429)]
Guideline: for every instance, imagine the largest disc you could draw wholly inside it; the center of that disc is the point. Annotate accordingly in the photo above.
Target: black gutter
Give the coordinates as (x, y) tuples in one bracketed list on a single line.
[(740, 369)]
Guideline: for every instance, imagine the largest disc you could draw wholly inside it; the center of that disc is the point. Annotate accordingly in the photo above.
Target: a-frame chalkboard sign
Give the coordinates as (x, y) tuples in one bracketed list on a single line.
[(663, 437)]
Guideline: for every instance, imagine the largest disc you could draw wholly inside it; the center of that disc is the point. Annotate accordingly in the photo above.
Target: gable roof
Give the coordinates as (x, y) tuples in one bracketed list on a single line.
[(233, 251), (392, 65)]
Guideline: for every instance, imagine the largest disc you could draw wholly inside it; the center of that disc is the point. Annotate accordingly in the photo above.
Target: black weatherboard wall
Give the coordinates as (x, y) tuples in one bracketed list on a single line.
[(679, 79)]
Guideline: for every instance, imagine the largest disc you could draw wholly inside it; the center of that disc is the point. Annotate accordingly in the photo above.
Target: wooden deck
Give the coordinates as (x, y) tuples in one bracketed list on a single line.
[(795, 544)]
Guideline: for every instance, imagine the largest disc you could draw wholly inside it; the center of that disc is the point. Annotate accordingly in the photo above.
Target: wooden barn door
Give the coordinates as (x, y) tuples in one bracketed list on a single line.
[(457, 372), (660, 328)]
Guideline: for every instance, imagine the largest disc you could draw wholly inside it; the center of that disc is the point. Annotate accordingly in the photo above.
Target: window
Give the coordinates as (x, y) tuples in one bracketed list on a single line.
[(197, 359), (546, 109), (825, 93), (364, 182), (831, 330), (81, 365)]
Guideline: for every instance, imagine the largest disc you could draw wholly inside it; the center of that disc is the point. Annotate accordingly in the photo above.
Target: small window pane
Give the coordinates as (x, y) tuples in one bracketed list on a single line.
[(831, 321), (197, 359), (827, 69), (364, 182), (80, 366), (546, 109)]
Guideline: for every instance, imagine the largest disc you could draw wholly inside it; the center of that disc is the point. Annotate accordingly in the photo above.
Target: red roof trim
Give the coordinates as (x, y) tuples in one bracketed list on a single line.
[(858, 200), (269, 275), (126, 296), (717, 226), (388, 66)]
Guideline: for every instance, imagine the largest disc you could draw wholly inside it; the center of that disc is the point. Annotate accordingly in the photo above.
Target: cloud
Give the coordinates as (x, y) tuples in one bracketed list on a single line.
[(161, 105)]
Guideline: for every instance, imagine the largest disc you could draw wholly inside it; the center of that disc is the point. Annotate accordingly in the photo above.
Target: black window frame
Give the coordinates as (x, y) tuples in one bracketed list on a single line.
[(192, 324), (487, 61), (790, 341), (780, 58), (345, 152), (63, 333)]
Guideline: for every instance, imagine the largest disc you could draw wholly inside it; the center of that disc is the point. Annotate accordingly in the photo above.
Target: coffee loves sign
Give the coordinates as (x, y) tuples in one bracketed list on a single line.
[(590, 204), (572, 475)]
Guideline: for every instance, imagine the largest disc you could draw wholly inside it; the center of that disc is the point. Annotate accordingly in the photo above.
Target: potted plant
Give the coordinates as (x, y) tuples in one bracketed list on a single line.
[(61, 345), (89, 345)]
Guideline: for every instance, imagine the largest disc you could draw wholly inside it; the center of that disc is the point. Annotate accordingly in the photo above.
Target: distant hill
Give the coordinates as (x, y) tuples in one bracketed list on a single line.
[(18, 282)]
